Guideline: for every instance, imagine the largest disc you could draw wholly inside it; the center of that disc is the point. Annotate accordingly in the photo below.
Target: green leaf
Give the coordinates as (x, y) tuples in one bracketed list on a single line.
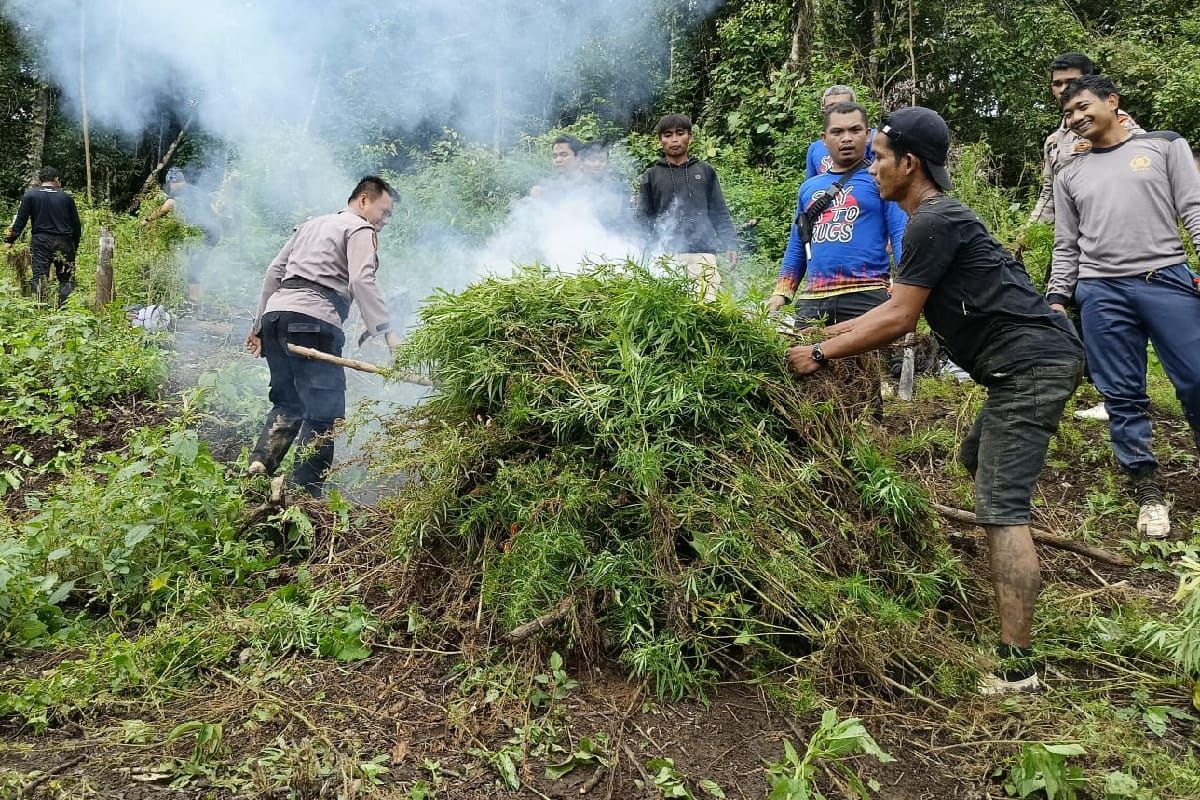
[(136, 534), (711, 789), (1064, 749), (1119, 785)]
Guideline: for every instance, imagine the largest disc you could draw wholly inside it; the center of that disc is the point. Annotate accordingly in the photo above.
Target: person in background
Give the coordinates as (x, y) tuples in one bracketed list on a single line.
[(982, 306), (194, 208), (1119, 257), (818, 159), (593, 158), (679, 201), (1061, 146), (55, 231), (327, 264), (564, 154), (564, 159), (837, 265)]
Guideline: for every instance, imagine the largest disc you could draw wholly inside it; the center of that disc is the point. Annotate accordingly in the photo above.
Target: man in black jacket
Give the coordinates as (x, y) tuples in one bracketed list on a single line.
[(56, 232), (680, 201)]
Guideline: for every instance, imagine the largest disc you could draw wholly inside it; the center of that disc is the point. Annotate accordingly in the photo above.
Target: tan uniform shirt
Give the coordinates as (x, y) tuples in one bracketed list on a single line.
[(337, 251), (1061, 146)]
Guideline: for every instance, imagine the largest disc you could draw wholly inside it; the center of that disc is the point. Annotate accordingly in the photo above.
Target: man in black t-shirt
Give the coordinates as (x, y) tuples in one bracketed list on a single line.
[(54, 219), (983, 308)]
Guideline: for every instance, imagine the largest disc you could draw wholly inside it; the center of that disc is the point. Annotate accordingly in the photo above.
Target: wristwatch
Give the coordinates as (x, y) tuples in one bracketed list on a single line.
[(817, 355)]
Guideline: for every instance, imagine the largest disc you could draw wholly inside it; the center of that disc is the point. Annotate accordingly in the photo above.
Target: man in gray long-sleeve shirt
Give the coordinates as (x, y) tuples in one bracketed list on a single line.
[(329, 262), (1118, 253)]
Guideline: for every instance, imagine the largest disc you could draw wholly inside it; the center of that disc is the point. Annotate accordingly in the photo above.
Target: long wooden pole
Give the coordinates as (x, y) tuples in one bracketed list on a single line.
[(361, 366), (87, 139), (1046, 538)]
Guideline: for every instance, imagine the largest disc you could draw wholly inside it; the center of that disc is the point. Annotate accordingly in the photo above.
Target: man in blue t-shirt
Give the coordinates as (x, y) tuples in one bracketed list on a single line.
[(818, 159), (837, 266)]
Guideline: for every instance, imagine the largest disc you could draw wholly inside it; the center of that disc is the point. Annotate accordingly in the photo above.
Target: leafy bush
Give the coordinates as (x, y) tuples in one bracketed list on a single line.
[(57, 366), (144, 527)]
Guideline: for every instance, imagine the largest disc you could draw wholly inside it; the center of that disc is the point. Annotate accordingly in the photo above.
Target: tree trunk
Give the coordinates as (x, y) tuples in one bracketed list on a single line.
[(799, 57), (105, 291), (83, 113), (152, 178), (37, 132)]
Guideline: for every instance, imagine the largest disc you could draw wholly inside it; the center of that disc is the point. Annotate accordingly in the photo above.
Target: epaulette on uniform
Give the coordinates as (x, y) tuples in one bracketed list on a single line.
[(1170, 136)]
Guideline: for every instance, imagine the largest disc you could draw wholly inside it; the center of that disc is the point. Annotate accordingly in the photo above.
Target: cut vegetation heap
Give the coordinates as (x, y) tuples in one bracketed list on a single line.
[(625, 467)]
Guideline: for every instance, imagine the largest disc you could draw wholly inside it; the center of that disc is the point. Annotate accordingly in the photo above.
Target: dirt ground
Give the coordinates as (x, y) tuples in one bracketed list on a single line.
[(404, 708)]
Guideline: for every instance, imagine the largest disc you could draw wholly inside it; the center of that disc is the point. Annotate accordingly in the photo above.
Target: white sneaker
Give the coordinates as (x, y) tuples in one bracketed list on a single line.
[(992, 685), (1154, 521), (1097, 412)]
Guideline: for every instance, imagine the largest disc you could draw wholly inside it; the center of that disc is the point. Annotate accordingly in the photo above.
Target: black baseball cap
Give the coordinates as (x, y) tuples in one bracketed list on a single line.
[(925, 134)]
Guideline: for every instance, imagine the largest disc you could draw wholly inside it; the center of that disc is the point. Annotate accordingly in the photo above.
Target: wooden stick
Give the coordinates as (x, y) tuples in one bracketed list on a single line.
[(1046, 538), (908, 369), (104, 269), (28, 789), (361, 366), (525, 630)]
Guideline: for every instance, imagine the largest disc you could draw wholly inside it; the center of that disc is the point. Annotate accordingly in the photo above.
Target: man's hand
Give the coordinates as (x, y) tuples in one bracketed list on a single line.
[(732, 257), (143, 223), (254, 344), (800, 360), (774, 303), (1060, 308), (393, 341)]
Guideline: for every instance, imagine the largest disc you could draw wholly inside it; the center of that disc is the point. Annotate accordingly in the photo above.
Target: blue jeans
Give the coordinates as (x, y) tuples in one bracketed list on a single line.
[(1119, 316)]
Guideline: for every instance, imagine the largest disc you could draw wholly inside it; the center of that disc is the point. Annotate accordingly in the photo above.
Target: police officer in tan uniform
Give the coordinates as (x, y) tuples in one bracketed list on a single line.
[(329, 262)]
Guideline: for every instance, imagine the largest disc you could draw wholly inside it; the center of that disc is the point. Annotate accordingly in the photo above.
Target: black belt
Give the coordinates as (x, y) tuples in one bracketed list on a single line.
[(340, 304)]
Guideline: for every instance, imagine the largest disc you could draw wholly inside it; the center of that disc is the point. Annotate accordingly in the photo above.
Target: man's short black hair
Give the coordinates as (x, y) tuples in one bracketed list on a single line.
[(1073, 61), (372, 186), (1099, 85), (673, 122), (47, 174), (569, 140), (843, 107), (595, 146)]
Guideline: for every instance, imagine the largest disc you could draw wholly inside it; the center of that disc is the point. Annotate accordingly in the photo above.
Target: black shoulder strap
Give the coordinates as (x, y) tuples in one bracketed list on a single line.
[(817, 207)]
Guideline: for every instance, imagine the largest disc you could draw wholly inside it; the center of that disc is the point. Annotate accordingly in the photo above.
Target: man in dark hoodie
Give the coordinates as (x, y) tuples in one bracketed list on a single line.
[(52, 215), (679, 199)]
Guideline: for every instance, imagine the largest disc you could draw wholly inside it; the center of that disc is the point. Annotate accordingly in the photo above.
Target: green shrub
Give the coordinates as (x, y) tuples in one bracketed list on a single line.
[(56, 366)]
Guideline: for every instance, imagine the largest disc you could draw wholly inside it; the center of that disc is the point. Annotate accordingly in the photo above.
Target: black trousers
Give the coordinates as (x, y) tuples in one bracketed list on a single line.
[(48, 250), (307, 396)]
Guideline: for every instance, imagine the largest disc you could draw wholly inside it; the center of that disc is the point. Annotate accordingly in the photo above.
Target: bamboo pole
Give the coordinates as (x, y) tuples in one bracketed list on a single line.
[(361, 366), (87, 139)]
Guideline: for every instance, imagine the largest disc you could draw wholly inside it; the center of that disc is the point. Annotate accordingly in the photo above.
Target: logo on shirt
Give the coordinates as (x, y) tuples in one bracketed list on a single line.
[(1139, 163), (837, 222), (1082, 146), (826, 165)]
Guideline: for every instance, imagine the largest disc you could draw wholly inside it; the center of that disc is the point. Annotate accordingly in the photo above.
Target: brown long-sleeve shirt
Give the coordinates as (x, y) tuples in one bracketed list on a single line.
[(338, 252)]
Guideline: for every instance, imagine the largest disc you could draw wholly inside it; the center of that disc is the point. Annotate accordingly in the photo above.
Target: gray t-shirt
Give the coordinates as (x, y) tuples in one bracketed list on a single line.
[(1117, 211)]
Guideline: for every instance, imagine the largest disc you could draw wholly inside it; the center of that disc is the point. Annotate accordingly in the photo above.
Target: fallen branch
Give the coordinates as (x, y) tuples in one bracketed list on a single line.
[(28, 788), (152, 178), (361, 366), (1045, 537), (527, 629)]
